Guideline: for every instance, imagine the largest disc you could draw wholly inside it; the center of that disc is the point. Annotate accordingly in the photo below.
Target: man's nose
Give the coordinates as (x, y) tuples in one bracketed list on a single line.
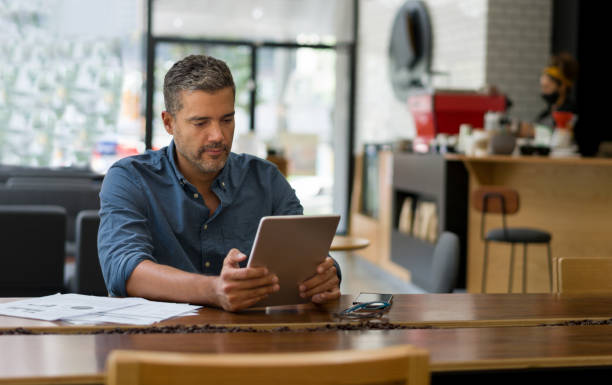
[(215, 134)]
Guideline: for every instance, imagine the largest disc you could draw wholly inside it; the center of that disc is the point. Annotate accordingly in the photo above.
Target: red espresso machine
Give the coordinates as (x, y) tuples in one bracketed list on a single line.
[(443, 111)]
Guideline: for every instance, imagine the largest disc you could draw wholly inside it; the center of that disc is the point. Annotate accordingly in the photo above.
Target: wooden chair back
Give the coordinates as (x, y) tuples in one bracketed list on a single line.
[(588, 275), (401, 364), (495, 195)]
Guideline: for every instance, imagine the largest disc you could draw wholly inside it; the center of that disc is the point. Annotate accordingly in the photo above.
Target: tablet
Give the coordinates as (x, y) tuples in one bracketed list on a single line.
[(292, 246)]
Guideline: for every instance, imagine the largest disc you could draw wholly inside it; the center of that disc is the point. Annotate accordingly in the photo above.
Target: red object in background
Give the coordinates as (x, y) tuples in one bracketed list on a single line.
[(444, 111), (562, 118)]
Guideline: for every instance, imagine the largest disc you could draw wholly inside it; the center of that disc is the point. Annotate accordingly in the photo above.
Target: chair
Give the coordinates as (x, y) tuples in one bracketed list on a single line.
[(87, 278), (395, 364), (584, 275), (32, 241), (74, 196), (445, 264), (505, 201), (438, 273)]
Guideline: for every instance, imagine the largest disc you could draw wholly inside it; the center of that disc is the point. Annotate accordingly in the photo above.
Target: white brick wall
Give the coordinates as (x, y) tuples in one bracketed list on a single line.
[(459, 42), (518, 46), (459, 51), (380, 117), (476, 42)]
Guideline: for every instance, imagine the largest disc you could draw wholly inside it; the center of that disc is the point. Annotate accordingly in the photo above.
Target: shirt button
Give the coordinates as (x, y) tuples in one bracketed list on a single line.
[(205, 227), (223, 184), (207, 264), (195, 195)]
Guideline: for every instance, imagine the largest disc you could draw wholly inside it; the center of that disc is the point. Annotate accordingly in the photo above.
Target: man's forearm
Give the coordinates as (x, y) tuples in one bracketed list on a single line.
[(165, 283)]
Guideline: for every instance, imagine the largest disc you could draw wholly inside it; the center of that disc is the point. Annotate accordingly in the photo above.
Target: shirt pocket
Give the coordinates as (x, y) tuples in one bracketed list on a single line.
[(240, 235)]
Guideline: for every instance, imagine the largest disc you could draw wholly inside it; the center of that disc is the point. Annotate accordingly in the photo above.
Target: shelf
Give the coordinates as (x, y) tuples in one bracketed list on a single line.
[(431, 178)]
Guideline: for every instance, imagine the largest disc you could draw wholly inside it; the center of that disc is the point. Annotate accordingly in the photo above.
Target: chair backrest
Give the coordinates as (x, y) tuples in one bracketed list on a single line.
[(51, 182), (32, 254), (588, 275), (495, 199), (88, 277), (445, 264), (74, 197), (396, 364)]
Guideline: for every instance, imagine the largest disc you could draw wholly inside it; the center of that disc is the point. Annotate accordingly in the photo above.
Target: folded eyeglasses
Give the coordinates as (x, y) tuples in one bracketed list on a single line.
[(363, 310)]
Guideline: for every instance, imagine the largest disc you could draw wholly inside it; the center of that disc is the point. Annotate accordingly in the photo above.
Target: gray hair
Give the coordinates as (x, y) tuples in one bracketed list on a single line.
[(195, 72)]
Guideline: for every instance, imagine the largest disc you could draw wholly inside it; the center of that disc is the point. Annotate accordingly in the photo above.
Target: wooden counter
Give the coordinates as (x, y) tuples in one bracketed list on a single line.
[(569, 197)]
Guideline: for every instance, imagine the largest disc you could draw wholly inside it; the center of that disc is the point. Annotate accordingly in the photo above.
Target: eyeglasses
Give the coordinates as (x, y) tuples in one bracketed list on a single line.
[(365, 310)]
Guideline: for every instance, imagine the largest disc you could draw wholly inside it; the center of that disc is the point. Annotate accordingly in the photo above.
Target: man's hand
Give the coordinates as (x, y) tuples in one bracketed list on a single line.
[(238, 288), (323, 287)]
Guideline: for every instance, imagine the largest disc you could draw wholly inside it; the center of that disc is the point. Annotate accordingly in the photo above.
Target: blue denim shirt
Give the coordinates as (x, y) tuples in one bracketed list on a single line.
[(149, 211)]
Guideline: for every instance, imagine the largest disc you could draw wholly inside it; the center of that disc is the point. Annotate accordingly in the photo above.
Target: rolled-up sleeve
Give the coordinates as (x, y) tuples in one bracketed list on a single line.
[(124, 238)]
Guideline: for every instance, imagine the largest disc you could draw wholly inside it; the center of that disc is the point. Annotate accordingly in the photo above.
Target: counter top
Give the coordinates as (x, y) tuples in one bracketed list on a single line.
[(533, 159)]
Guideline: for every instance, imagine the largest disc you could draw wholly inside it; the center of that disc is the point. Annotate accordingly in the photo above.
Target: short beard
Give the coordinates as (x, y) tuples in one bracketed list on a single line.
[(212, 165)]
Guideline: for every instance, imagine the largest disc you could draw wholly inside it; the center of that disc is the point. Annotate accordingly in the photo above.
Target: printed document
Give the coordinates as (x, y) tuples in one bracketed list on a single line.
[(87, 309)]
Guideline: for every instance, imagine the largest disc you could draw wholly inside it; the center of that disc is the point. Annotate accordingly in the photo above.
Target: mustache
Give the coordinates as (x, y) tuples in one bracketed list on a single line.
[(214, 146)]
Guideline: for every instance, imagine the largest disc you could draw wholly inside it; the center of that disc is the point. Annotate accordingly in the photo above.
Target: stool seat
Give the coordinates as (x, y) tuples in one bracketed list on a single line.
[(518, 235)]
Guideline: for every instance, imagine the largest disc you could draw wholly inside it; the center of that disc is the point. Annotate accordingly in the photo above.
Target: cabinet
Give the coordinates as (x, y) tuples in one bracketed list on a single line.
[(428, 178)]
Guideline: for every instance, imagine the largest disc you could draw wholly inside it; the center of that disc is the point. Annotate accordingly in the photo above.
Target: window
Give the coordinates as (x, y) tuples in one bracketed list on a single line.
[(71, 89)]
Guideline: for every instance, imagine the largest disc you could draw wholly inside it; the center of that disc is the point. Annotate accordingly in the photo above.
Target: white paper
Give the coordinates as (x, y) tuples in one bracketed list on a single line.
[(144, 313), (59, 306)]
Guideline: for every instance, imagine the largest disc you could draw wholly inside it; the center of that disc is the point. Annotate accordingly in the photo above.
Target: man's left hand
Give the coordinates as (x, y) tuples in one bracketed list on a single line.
[(323, 287)]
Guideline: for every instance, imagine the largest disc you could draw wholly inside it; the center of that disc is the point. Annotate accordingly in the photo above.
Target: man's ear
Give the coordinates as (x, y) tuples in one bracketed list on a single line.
[(168, 120)]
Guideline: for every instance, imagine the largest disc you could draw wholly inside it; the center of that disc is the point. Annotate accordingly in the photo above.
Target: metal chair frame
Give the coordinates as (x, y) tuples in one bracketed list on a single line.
[(502, 199)]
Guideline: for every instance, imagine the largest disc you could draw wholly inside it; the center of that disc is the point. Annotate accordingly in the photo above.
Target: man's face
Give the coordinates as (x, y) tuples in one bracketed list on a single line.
[(203, 128)]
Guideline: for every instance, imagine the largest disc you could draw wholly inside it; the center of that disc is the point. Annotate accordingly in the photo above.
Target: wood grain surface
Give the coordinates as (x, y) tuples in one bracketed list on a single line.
[(346, 243), (570, 198), (81, 358), (420, 310)]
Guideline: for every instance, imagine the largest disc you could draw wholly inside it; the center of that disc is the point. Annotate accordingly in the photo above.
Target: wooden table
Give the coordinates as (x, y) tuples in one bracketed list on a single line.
[(81, 358), (419, 310), (347, 243), (474, 335)]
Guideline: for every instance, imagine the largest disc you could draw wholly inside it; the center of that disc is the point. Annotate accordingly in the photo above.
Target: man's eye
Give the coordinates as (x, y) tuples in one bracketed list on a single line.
[(228, 120)]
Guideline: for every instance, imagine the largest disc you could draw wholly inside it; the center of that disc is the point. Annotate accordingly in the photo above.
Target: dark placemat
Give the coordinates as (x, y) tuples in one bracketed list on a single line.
[(185, 329), (584, 322)]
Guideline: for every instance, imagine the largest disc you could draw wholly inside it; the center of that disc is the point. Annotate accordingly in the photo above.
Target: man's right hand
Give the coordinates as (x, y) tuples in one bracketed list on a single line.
[(238, 288)]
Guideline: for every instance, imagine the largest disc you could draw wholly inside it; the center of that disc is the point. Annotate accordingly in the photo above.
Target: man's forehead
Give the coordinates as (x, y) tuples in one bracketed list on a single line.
[(197, 99)]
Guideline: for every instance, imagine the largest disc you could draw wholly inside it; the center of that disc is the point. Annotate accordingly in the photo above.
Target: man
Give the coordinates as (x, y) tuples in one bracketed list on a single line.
[(175, 223)]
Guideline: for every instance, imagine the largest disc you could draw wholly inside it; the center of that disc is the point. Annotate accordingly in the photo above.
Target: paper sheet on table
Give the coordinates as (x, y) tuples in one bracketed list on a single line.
[(144, 313), (59, 306)]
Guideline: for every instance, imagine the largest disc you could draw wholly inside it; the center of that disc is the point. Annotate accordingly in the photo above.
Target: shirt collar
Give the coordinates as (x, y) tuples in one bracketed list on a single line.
[(221, 184), (171, 156)]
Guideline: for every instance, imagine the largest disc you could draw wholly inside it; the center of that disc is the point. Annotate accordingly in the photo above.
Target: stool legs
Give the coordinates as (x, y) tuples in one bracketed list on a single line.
[(511, 274), (484, 267), (550, 277), (524, 267), (511, 278)]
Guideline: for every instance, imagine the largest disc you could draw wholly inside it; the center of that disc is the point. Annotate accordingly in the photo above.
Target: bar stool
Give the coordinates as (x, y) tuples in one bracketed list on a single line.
[(503, 200)]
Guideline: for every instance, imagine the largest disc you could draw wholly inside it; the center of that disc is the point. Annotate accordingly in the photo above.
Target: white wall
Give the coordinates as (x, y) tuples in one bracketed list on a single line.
[(476, 42), (380, 117), (518, 47)]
